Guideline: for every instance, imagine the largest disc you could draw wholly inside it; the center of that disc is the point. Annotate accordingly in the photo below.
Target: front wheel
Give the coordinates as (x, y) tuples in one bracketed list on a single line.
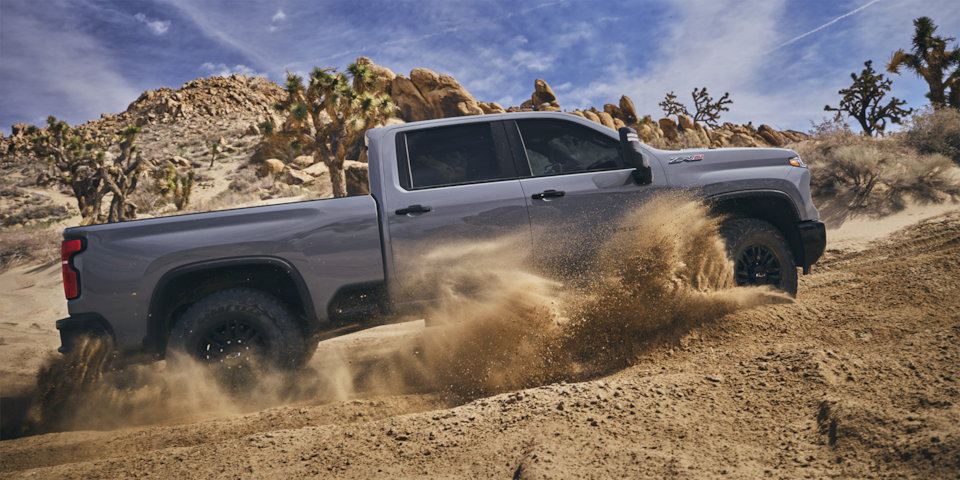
[(238, 333), (761, 255)]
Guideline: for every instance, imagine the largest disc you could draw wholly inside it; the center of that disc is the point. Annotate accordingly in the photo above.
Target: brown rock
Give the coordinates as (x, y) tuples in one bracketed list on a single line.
[(271, 166), (685, 122), (253, 129), (577, 113), (180, 161), (297, 177), (18, 129), (384, 75), (771, 136), (646, 133), (617, 123), (527, 104), (317, 170), (592, 116), (547, 107), (669, 129), (358, 178), (606, 120), (410, 102), (542, 93), (742, 140), (630, 116), (614, 111), (303, 161), (425, 80)]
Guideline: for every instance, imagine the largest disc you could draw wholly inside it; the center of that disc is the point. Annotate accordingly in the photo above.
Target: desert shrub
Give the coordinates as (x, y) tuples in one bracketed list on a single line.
[(40, 245), (35, 212), (147, 196), (12, 191), (924, 176), (247, 181), (934, 131), (858, 166)]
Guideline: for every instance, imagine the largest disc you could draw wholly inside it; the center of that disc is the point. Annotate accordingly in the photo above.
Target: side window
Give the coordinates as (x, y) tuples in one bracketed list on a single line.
[(452, 156), (556, 147)]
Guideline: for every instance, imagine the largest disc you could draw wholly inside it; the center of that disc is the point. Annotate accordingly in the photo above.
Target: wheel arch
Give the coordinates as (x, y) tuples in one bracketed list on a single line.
[(185, 285), (772, 206)]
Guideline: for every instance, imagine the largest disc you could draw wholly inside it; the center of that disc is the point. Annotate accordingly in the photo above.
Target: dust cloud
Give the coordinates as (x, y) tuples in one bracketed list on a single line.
[(502, 326)]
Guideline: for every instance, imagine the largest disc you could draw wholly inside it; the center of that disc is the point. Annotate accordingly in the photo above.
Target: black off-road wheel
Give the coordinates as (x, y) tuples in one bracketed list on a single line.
[(239, 334), (760, 254)]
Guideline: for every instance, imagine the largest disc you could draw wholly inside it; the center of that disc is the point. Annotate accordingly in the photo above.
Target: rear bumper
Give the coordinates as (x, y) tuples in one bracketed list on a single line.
[(813, 238), (75, 328)]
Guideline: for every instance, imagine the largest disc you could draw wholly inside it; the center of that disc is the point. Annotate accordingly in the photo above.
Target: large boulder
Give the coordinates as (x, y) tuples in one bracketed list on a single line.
[(613, 110), (771, 136), (742, 140), (685, 122), (630, 116), (271, 166), (384, 75), (303, 161), (669, 129), (297, 177), (358, 178), (542, 93), (592, 116), (492, 107), (606, 120), (410, 102)]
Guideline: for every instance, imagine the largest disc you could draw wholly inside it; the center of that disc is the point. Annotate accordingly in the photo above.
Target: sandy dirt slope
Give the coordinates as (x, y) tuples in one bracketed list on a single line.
[(857, 379)]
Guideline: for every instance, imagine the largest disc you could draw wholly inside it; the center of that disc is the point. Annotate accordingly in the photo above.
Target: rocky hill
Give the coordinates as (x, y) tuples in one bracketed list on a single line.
[(180, 128)]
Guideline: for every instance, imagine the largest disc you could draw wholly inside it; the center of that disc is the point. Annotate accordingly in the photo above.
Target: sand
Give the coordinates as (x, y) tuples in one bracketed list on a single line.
[(857, 378)]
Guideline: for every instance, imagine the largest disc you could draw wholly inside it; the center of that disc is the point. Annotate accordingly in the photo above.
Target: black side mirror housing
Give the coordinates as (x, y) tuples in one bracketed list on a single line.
[(633, 156)]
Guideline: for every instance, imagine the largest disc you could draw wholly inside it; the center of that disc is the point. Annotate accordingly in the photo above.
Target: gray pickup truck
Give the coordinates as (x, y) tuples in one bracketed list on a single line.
[(267, 282)]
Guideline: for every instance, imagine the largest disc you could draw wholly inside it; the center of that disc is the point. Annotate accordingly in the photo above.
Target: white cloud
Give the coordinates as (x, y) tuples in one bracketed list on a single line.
[(222, 70), (279, 16), (157, 27)]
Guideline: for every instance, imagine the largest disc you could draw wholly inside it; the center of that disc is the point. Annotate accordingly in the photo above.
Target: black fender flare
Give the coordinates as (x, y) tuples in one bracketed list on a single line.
[(156, 326)]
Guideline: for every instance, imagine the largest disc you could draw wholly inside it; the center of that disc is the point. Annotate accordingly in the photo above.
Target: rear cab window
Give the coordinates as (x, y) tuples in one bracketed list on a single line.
[(458, 155)]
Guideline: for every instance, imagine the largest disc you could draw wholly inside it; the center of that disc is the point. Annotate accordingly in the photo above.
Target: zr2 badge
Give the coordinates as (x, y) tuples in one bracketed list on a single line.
[(688, 158)]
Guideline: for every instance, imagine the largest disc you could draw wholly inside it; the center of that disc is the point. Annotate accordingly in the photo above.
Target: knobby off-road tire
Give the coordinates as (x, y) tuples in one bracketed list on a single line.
[(760, 254), (239, 334)]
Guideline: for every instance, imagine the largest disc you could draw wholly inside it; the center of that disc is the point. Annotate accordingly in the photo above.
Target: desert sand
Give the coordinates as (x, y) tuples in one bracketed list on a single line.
[(858, 378)]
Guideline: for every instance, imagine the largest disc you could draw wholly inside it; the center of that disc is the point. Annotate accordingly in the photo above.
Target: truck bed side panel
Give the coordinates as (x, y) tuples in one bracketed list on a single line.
[(332, 243)]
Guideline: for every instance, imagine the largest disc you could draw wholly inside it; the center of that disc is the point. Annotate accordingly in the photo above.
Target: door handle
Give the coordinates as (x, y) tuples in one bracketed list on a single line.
[(414, 209), (548, 194)]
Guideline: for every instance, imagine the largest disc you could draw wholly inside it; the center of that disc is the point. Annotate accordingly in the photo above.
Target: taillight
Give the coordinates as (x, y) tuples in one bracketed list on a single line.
[(71, 284)]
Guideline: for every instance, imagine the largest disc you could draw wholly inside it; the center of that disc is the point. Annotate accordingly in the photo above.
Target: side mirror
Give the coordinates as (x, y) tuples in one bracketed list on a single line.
[(634, 157)]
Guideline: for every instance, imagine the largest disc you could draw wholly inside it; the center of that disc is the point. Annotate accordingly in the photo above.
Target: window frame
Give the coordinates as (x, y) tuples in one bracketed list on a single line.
[(501, 149), (512, 128)]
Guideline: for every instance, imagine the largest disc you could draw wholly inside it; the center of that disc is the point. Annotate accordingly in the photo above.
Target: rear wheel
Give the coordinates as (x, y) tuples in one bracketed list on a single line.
[(238, 333), (761, 255)]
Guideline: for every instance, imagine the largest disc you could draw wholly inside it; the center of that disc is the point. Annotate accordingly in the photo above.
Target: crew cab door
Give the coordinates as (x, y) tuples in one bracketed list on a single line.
[(576, 188), (458, 193)]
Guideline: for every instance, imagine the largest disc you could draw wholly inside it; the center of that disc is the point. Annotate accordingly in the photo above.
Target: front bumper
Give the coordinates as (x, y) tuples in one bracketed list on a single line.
[(813, 238), (75, 328)]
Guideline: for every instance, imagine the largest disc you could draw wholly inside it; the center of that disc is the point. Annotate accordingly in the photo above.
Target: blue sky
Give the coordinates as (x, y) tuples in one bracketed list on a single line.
[(76, 59)]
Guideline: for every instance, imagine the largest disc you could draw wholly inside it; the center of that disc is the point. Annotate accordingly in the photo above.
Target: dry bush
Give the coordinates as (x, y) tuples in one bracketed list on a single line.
[(147, 196), (934, 131), (842, 162), (35, 212), (28, 244), (247, 181)]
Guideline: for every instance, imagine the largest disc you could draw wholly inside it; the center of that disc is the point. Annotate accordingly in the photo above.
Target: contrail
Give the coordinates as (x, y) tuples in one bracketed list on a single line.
[(821, 27)]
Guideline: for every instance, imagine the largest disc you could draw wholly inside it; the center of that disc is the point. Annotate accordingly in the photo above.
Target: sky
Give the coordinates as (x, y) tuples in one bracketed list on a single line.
[(780, 60)]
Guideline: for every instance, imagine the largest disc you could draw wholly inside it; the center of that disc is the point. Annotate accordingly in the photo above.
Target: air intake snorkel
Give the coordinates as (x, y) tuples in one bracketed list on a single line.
[(633, 156)]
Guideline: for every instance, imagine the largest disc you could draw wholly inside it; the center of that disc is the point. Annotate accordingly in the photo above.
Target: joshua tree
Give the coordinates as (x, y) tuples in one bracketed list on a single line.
[(671, 106), (329, 115), (82, 165), (863, 101), (931, 61), (179, 187), (214, 151), (708, 111)]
